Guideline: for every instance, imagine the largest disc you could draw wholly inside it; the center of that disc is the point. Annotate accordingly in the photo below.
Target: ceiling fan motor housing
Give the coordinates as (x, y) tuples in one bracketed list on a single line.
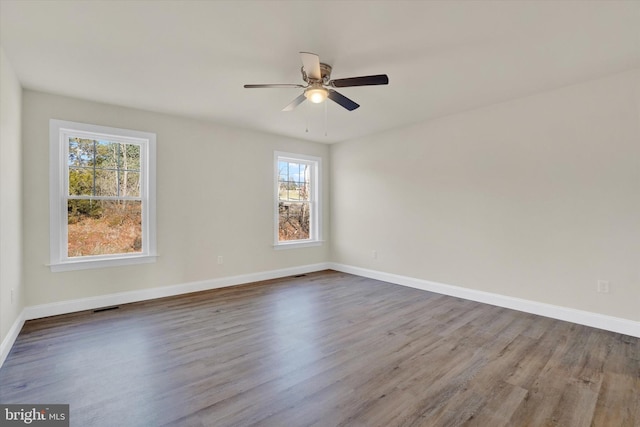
[(325, 72)]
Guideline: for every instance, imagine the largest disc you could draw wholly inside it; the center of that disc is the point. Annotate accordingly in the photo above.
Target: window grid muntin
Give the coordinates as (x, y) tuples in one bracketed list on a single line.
[(71, 137), (305, 182)]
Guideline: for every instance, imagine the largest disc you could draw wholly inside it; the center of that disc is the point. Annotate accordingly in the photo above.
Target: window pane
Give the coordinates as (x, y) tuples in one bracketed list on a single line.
[(80, 152), (303, 191), (129, 156), (293, 193), (80, 182), (129, 184), (288, 190), (106, 183), (282, 171), (107, 154), (101, 227), (293, 221)]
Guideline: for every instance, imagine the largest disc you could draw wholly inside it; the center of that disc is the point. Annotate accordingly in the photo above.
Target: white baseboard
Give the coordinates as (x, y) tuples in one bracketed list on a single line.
[(10, 338), (609, 323), (63, 307), (595, 320)]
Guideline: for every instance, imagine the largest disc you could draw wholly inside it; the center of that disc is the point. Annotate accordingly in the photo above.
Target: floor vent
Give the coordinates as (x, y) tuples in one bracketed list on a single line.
[(99, 310)]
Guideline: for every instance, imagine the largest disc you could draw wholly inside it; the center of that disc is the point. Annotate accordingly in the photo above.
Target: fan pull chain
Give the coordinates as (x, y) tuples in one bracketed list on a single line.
[(306, 119), (325, 118)]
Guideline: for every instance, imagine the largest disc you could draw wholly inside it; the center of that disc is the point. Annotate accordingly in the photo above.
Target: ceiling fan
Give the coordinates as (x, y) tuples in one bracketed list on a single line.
[(318, 88)]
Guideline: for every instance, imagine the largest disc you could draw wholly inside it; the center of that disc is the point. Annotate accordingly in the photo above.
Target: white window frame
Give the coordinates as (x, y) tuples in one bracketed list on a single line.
[(315, 200), (59, 133)]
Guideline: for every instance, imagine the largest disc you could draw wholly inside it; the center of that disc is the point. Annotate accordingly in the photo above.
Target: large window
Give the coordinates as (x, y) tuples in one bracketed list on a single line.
[(297, 200), (102, 196)]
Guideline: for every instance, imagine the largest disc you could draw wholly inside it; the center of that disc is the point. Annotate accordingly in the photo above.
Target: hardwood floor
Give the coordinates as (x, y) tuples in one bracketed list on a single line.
[(325, 349)]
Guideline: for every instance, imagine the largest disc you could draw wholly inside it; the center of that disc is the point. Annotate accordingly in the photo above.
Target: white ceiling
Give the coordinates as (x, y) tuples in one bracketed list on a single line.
[(192, 58)]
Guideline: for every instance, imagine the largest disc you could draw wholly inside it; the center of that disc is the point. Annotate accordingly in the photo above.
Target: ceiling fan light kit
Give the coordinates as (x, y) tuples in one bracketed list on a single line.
[(316, 94), (317, 75)]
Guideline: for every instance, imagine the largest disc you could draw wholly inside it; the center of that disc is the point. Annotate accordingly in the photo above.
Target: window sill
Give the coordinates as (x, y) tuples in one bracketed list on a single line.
[(101, 263), (295, 245)]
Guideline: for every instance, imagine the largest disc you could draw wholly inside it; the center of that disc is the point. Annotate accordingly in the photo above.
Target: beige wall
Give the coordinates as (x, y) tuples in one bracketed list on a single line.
[(10, 198), (536, 198), (214, 197)]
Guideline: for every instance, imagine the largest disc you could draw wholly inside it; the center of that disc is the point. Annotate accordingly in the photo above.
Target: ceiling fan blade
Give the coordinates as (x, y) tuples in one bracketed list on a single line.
[(272, 86), (342, 100), (311, 64), (299, 100), (378, 79)]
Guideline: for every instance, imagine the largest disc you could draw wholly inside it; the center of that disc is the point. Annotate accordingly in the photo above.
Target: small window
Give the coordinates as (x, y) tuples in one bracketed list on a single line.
[(297, 192), (102, 196)]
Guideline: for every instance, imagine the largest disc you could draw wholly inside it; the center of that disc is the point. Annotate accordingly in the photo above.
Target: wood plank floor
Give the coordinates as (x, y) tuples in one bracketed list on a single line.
[(325, 349)]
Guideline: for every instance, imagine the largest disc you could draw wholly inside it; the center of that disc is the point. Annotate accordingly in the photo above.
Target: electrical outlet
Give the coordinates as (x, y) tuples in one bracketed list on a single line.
[(220, 259), (603, 287), (374, 254)]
